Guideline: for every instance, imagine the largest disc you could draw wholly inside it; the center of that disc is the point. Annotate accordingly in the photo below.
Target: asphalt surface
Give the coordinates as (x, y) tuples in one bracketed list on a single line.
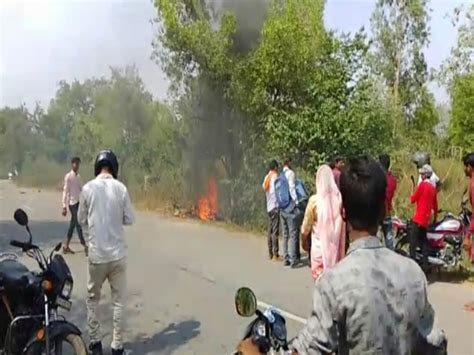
[(182, 277)]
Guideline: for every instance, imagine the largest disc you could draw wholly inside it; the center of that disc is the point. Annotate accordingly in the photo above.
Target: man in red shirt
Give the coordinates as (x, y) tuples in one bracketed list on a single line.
[(469, 170), (384, 160), (425, 197)]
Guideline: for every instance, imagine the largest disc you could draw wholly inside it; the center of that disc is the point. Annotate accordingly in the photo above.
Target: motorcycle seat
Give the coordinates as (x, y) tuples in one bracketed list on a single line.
[(13, 273)]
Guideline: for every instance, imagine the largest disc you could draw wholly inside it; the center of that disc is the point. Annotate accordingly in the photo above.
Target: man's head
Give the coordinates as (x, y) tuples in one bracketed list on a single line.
[(338, 162), (384, 160), (426, 171), (106, 162), (288, 162), (273, 166), (363, 185), (75, 163), (468, 161)]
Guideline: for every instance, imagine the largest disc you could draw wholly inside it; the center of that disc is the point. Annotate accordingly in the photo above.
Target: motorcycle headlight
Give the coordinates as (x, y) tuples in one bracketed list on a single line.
[(67, 289)]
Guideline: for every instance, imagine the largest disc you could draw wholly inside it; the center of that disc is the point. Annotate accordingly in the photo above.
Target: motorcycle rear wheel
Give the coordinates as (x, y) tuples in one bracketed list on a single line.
[(74, 341)]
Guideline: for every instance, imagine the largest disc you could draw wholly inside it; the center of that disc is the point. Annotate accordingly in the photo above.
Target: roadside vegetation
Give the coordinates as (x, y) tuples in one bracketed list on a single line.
[(251, 81)]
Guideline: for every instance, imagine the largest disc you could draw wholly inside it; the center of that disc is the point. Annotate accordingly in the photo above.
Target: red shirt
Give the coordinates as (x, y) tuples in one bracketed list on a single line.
[(471, 194), (426, 201), (390, 191)]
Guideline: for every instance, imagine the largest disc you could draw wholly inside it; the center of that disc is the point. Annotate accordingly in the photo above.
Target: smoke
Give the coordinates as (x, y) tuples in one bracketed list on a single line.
[(250, 15)]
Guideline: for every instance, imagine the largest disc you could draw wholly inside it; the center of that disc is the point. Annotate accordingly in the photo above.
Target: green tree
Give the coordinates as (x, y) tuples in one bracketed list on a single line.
[(461, 126)]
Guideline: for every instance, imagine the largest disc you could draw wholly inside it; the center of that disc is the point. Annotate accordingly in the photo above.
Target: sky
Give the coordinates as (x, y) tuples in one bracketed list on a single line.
[(45, 41)]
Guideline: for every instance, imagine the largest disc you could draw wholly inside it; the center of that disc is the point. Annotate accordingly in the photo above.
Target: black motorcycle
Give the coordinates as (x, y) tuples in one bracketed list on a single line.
[(29, 320)]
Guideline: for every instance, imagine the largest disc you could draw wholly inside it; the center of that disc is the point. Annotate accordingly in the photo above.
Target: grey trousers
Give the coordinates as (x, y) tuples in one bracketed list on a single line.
[(290, 226), (273, 229)]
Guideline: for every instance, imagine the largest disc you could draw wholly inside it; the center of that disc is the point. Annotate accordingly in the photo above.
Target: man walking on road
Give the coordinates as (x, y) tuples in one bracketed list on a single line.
[(71, 192), (272, 210), (105, 208)]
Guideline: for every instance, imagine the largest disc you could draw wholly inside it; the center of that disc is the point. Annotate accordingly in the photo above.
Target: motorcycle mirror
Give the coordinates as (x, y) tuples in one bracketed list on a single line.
[(21, 217), (245, 302), (58, 247)]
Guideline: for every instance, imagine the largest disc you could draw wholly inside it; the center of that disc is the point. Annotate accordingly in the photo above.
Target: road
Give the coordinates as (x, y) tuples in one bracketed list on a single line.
[(182, 278)]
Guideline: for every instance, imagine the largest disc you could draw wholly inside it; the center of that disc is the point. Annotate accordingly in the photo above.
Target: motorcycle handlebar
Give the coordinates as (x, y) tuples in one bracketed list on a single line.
[(18, 244)]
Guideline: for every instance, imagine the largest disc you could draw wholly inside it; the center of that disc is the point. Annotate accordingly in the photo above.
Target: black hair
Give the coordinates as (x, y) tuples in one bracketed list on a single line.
[(468, 159), (363, 186), (384, 160), (75, 160), (287, 161), (273, 165)]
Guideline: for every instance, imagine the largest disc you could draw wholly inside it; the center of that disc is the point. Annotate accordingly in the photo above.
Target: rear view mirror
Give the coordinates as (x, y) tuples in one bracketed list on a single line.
[(245, 302), (21, 217)]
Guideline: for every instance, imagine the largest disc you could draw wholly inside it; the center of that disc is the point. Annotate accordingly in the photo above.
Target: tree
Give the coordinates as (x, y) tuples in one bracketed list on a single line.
[(400, 34), (461, 126)]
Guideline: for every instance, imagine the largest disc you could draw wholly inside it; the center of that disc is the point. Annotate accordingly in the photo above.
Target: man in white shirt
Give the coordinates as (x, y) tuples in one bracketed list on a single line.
[(272, 210), (71, 192), (105, 208)]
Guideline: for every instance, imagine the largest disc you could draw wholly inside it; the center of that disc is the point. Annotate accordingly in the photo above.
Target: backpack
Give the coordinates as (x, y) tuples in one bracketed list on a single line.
[(282, 191), (301, 192)]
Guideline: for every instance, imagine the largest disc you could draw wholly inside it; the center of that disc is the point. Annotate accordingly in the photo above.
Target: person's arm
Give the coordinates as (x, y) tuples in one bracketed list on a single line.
[(128, 214), (83, 212), (319, 335), (266, 182), (309, 219), (292, 186), (417, 194), (431, 339), (65, 194)]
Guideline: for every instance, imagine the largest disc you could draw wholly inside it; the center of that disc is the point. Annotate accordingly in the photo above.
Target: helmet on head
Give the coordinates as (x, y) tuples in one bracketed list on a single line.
[(106, 158), (421, 158)]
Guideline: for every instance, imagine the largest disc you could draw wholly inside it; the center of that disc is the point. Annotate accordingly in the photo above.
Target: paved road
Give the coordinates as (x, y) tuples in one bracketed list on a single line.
[(182, 278)]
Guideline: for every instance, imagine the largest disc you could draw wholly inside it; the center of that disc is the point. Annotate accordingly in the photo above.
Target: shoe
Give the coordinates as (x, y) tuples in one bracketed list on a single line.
[(67, 250), (296, 265), (276, 258), (270, 257), (86, 251), (118, 351), (286, 263), (96, 348)]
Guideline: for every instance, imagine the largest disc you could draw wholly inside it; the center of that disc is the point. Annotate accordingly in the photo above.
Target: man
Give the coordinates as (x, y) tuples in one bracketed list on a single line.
[(290, 221), (71, 192), (420, 159), (425, 197), (105, 208), (469, 170), (272, 210), (384, 160), (337, 165), (373, 301)]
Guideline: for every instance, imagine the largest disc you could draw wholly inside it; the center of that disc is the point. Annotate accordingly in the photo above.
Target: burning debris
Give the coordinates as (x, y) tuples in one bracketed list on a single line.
[(207, 207)]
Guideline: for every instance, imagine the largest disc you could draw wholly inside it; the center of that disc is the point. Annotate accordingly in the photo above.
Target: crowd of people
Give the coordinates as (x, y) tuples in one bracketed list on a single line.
[(318, 221)]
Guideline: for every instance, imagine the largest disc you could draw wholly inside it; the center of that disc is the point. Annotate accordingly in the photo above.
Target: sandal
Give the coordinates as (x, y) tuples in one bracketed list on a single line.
[(67, 250)]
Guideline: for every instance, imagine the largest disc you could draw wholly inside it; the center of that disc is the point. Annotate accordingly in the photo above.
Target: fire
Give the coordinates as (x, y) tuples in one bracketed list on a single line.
[(208, 205)]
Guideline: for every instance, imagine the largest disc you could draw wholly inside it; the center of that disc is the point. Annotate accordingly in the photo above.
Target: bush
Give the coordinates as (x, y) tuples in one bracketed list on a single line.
[(42, 172)]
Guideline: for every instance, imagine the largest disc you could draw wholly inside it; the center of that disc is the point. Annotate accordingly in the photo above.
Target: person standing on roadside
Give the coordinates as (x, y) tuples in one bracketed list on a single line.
[(105, 208), (71, 192), (425, 197), (337, 165), (384, 160), (289, 214), (272, 210), (468, 161)]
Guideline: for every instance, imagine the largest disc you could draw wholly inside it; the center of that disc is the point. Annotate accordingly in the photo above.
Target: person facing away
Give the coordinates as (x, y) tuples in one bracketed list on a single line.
[(425, 198), (337, 164), (71, 192), (323, 223), (290, 220), (373, 301), (105, 208), (272, 210), (384, 160), (468, 161)]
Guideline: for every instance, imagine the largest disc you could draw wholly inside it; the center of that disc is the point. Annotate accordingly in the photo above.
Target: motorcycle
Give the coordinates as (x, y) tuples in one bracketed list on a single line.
[(268, 330), (29, 320), (445, 238)]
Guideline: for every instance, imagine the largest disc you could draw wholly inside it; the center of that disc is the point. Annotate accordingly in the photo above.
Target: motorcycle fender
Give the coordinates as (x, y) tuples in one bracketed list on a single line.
[(56, 328)]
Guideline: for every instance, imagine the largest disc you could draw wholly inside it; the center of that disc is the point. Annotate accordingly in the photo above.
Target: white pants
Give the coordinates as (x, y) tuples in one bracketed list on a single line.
[(115, 273)]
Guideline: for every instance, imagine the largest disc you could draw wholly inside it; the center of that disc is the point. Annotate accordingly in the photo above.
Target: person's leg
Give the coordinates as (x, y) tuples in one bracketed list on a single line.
[(293, 243), (286, 236), (422, 235), (274, 228), (74, 209), (269, 236), (413, 239), (96, 276), (118, 286), (72, 225)]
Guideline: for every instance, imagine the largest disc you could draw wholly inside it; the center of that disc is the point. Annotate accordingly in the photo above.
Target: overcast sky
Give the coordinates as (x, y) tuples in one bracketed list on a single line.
[(45, 41)]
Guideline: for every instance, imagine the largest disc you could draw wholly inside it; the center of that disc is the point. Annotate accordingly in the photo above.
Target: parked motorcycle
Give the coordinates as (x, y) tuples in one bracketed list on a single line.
[(29, 320), (445, 238), (268, 330)]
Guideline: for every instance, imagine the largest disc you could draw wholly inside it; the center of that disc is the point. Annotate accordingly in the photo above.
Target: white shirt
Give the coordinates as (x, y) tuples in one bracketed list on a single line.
[(272, 202), (291, 177), (104, 209), (434, 179)]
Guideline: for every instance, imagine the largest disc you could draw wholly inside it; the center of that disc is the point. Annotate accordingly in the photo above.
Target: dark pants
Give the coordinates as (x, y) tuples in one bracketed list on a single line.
[(74, 223), (417, 236), (273, 229), (290, 223)]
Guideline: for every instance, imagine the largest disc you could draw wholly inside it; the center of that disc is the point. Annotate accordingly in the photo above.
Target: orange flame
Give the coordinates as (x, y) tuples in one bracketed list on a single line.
[(208, 205)]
